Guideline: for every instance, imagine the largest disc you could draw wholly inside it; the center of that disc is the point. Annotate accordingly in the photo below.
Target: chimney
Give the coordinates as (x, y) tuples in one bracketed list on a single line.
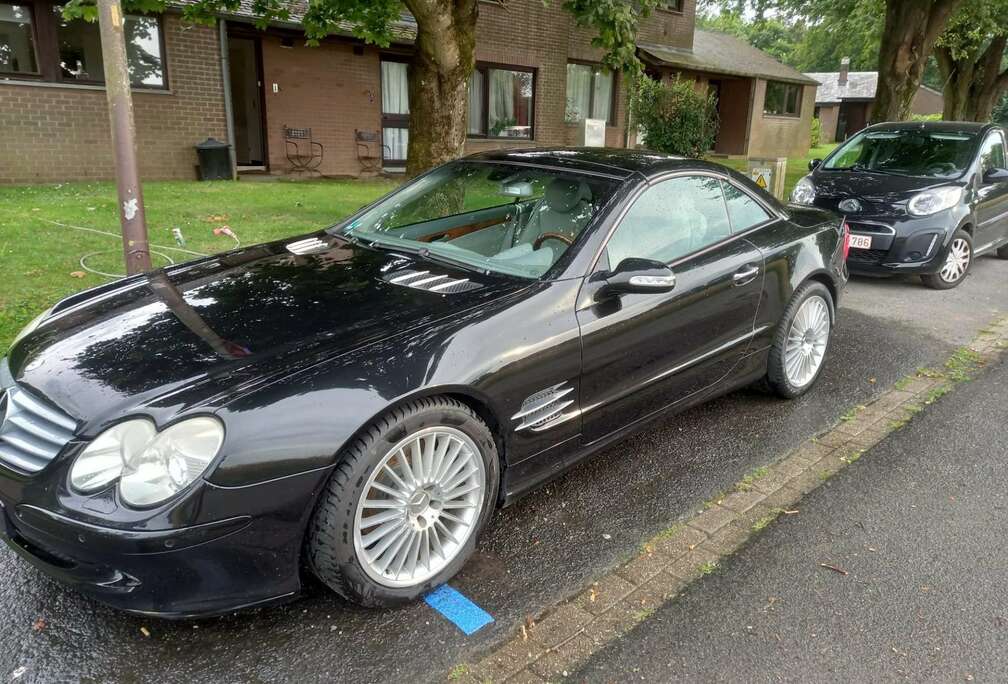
[(844, 69)]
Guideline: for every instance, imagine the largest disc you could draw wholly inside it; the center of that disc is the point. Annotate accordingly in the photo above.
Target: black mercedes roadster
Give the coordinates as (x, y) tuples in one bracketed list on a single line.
[(356, 402)]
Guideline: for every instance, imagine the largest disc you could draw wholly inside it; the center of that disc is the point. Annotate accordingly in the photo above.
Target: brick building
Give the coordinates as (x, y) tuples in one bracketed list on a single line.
[(537, 78), (844, 99)]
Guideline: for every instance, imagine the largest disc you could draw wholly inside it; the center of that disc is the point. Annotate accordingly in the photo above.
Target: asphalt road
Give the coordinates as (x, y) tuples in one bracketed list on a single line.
[(534, 554), (919, 526)]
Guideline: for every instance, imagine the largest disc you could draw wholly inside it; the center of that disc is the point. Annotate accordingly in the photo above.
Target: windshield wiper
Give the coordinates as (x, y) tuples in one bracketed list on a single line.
[(426, 253)]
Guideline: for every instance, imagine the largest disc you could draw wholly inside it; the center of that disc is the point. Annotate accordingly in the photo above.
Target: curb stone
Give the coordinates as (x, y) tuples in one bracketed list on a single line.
[(568, 634)]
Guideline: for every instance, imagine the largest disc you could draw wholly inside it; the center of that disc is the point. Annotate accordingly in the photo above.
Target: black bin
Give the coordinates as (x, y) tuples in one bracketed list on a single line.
[(214, 160)]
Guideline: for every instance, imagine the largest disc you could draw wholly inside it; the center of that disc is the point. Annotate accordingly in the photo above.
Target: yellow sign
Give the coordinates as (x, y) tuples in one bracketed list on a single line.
[(762, 178)]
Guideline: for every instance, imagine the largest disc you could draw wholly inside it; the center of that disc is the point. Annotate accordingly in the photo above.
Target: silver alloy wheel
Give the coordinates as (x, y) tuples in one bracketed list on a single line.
[(957, 262), (419, 507), (806, 341)]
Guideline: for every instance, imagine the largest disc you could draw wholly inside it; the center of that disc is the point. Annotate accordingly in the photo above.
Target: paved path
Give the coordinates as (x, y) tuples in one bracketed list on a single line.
[(920, 526), (536, 553)]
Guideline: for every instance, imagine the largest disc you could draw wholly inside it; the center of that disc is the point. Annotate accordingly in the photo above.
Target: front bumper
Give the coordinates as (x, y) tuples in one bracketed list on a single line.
[(910, 246), (198, 571)]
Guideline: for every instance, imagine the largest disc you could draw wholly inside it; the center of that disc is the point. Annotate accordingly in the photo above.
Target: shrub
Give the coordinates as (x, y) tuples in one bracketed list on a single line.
[(816, 132), (1001, 111), (674, 118), (925, 117)]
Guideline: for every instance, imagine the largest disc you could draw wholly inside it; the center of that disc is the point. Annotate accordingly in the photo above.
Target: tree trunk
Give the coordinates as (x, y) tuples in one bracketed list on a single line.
[(443, 61), (911, 29), (973, 85)]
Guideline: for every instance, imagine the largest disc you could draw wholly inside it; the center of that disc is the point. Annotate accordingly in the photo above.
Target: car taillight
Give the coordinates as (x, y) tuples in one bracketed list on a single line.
[(846, 240)]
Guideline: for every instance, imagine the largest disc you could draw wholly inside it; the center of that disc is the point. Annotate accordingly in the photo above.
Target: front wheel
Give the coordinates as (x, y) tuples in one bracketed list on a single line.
[(405, 506), (799, 347), (957, 264)]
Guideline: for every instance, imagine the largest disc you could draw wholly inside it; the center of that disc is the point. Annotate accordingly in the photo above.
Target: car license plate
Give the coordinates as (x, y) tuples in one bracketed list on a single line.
[(860, 241)]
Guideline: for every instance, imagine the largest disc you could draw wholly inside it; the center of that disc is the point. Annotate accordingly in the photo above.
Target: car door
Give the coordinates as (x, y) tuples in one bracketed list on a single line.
[(643, 352), (992, 198)]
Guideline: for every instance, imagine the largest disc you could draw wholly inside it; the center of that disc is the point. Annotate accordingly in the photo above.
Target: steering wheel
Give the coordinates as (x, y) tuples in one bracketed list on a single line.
[(551, 236)]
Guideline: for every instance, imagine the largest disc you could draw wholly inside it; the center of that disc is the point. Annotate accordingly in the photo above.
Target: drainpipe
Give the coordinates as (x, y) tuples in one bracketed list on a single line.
[(228, 107)]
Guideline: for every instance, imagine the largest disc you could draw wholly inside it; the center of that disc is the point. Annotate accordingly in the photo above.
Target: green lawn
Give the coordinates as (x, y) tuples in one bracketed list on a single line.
[(39, 261), (797, 166)]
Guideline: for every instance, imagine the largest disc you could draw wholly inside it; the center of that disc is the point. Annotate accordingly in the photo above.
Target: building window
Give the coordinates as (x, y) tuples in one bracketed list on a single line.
[(70, 50), (782, 99), (590, 93), (501, 102), (17, 41), (671, 5)]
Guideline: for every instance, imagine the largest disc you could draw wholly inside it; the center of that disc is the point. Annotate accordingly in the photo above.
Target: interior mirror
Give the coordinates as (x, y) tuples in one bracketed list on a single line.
[(814, 164), (641, 276), (995, 176), (521, 190)]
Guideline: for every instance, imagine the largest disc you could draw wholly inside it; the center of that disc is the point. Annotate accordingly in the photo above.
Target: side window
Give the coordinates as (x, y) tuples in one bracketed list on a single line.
[(743, 210), (670, 220), (992, 154)]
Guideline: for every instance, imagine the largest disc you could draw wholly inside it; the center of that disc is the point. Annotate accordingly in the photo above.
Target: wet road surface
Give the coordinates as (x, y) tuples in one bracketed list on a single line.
[(918, 524), (535, 553)]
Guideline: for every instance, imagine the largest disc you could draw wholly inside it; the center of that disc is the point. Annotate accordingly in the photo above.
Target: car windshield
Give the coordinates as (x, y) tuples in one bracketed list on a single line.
[(497, 217), (929, 154)]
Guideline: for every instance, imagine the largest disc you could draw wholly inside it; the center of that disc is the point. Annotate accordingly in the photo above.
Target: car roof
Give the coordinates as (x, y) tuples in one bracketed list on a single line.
[(934, 126), (614, 162)]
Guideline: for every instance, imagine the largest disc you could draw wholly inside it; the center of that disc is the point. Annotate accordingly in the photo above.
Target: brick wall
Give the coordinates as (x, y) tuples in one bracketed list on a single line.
[(61, 133), (328, 89), (780, 136), (927, 101)]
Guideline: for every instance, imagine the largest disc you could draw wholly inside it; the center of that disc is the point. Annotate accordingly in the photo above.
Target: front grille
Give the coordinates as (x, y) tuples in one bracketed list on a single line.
[(867, 256), (32, 432)]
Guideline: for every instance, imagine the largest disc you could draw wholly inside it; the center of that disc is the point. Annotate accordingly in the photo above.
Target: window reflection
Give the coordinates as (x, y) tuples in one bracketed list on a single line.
[(17, 48), (80, 55)]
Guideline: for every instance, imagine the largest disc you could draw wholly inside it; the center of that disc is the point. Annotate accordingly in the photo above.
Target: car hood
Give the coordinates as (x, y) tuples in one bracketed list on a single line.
[(880, 194), (226, 322)]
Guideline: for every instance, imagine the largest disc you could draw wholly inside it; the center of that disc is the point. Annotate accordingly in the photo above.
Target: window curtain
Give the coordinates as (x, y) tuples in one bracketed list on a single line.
[(603, 95), (579, 83), (502, 98), (397, 140), (395, 88), (476, 86)]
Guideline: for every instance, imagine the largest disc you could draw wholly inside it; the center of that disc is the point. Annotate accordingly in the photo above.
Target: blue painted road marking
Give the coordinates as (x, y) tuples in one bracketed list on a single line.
[(466, 615)]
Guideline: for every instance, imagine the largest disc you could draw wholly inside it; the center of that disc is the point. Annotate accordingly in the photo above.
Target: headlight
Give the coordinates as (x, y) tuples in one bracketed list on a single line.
[(30, 328), (804, 192), (151, 466), (934, 200), (101, 463), (172, 461)]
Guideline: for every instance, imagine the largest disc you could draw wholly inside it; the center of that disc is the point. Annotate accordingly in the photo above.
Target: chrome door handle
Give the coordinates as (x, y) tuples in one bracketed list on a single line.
[(746, 275)]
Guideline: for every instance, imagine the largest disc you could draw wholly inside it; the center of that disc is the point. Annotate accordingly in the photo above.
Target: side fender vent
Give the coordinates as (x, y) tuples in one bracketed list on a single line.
[(311, 245), (545, 409), (431, 282)]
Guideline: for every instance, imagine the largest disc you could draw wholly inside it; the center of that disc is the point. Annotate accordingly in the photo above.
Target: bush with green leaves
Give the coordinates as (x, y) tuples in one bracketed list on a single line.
[(674, 117), (816, 137), (925, 117), (1001, 111)]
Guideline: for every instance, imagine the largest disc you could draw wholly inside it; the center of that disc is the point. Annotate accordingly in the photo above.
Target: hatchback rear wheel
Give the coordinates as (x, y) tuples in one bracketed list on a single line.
[(405, 506)]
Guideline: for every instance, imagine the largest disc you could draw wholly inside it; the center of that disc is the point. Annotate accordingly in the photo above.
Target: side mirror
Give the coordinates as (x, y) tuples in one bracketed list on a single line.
[(639, 276), (992, 176), (814, 164)]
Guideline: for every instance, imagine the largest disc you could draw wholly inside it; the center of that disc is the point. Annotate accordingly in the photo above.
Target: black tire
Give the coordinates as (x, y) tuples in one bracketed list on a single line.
[(777, 377), (330, 541), (936, 281), (1002, 252)]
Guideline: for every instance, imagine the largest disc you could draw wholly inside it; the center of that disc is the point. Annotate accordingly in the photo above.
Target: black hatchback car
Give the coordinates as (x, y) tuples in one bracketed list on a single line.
[(359, 400), (920, 198)]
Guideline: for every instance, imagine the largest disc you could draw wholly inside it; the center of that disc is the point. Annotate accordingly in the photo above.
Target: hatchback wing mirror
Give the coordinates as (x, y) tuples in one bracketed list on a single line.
[(992, 176), (814, 164), (640, 276)]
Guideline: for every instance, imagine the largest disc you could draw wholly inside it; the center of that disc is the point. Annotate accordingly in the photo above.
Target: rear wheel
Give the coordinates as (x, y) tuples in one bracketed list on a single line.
[(404, 508), (957, 264), (799, 347)]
